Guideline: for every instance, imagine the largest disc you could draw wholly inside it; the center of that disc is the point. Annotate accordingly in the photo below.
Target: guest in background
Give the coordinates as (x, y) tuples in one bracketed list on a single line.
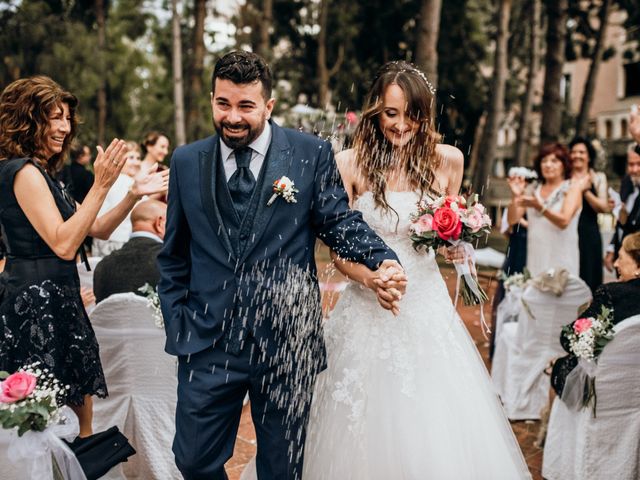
[(156, 147), (552, 208), (629, 212), (129, 268), (81, 178), (622, 297), (594, 201), (117, 192)]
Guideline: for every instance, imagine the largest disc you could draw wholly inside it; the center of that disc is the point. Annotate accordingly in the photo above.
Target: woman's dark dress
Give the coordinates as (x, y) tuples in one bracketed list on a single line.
[(41, 313), (590, 244), (623, 298)]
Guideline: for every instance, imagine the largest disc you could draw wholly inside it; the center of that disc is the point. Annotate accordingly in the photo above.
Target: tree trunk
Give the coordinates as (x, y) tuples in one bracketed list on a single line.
[(178, 88), (266, 24), (552, 107), (102, 86), (197, 69), (582, 123), (427, 43), (321, 60), (495, 113), (524, 128)]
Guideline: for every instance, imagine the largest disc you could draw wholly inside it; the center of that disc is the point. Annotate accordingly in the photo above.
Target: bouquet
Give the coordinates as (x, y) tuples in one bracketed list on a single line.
[(30, 407), (451, 221), (153, 302), (587, 338)]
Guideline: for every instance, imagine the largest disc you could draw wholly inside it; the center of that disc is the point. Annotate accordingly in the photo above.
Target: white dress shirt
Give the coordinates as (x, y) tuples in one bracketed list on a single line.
[(259, 148)]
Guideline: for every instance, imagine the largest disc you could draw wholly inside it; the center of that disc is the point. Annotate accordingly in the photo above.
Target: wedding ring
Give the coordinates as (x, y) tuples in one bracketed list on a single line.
[(115, 162)]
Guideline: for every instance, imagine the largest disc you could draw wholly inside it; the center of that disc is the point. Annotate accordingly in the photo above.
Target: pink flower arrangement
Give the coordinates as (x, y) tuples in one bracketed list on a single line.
[(447, 221), (17, 386)]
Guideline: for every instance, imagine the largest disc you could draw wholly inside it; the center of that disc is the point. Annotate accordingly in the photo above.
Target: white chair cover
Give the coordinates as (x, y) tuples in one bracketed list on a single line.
[(142, 384), (524, 349), (86, 277), (581, 447)]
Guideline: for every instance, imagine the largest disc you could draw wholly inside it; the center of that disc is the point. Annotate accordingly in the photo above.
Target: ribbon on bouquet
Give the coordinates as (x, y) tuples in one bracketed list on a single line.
[(466, 270), (45, 455)]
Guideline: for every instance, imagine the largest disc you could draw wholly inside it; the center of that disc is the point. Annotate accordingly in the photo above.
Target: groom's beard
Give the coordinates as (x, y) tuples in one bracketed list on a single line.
[(238, 142)]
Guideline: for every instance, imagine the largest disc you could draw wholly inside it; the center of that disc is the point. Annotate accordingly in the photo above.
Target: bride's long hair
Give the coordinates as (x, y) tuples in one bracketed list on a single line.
[(375, 155)]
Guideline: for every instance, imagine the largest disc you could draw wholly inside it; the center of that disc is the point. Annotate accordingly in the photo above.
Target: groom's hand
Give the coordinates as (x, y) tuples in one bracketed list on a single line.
[(391, 284)]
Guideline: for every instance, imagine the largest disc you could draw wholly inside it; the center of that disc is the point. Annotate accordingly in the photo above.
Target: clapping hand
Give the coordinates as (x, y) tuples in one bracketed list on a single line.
[(390, 283), (517, 185), (529, 201), (109, 163), (149, 181)]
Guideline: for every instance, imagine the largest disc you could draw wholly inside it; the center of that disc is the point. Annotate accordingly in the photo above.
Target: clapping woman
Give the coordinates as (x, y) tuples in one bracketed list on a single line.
[(42, 317)]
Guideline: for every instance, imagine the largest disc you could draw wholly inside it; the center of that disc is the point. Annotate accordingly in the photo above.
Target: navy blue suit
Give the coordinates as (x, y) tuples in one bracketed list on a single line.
[(259, 275)]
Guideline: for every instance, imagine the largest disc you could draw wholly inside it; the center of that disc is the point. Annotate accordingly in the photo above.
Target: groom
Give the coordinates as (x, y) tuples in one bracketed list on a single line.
[(238, 282)]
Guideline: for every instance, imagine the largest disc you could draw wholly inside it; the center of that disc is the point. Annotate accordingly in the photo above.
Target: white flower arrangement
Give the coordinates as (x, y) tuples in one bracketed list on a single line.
[(523, 172), (153, 302), (517, 280), (285, 188)]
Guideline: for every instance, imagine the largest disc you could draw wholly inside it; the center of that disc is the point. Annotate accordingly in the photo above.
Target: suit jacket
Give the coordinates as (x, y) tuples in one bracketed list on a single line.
[(622, 298), (204, 281), (127, 269)]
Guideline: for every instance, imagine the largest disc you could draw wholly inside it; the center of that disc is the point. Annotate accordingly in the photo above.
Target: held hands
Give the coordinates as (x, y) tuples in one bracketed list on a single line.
[(452, 254), (109, 163), (390, 283), (148, 181)]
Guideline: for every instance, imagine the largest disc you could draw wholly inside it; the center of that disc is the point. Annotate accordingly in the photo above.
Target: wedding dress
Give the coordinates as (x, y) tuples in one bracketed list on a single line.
[(405, 397)]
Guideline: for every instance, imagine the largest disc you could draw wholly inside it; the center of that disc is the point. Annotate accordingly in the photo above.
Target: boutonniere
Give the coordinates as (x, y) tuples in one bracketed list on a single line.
[(285, 188)]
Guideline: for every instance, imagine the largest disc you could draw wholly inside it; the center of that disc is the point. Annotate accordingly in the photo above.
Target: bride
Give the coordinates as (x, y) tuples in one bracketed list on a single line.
[(404, 396)]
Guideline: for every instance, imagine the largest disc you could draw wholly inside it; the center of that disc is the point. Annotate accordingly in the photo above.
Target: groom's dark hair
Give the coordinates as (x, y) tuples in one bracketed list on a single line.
[(243, 67)]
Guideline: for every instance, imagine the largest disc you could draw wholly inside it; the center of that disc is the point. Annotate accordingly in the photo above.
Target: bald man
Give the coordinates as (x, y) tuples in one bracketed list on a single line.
[(129, 268)]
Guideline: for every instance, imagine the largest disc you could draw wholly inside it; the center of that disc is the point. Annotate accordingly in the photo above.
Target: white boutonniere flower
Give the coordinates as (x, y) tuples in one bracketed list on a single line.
[(285, 188)]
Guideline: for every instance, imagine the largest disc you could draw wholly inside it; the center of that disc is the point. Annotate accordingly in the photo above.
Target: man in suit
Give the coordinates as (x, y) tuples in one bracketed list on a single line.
[(629, 215), (129, 268), (238, 281)]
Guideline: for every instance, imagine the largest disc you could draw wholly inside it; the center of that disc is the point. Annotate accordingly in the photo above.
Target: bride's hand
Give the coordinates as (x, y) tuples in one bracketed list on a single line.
[(452, 254)]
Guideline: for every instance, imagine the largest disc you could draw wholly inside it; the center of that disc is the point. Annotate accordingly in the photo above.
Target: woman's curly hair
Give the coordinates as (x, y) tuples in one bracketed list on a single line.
[(374, 153), (25, 107)]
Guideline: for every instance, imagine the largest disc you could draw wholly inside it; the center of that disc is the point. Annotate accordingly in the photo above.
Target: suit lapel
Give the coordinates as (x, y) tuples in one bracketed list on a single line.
[(208, 172), (277, 164)]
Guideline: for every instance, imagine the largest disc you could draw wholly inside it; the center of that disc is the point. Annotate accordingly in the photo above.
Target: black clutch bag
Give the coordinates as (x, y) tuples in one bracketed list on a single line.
[(100, 452)]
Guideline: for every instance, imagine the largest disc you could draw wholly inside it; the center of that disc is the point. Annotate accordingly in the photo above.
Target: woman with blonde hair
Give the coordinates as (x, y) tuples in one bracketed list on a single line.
[(407, 395), (41, 312)]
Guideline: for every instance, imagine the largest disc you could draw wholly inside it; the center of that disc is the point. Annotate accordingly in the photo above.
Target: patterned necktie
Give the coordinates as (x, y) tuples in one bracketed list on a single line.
[(242, 182)]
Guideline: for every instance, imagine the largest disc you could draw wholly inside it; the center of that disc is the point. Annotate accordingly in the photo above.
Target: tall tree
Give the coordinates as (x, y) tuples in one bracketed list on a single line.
[(552, 107), (324, 72), (524, 125), (178, 88), (102, 71), (582, 123), (197, 69), (495, 111), (266, 24), (427, 42)]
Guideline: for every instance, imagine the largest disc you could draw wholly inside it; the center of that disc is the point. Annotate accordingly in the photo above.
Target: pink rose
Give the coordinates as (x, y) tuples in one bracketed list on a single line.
[(582, 325), (423, 224), (447, 224), (474, 220), (16, 387)]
